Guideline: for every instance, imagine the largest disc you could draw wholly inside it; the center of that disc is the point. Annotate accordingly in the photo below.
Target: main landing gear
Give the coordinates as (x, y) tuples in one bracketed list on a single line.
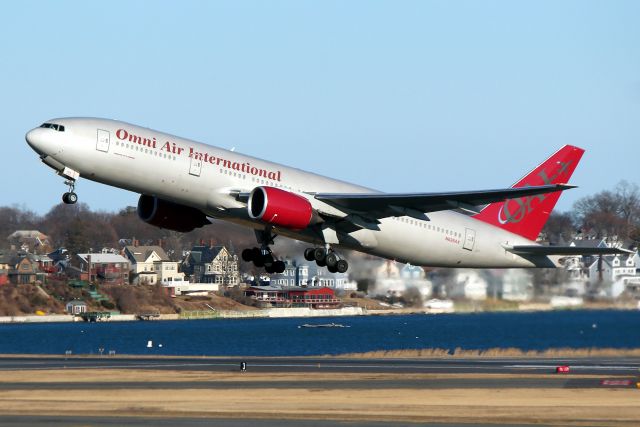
[(327, 257), (70, 197), (262, 256)]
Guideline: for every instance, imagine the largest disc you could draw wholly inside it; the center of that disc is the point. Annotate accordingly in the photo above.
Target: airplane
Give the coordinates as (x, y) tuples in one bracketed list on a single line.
[(183, 184)]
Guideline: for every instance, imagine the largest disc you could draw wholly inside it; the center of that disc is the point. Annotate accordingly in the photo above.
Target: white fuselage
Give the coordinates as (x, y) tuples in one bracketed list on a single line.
[(209, 178)]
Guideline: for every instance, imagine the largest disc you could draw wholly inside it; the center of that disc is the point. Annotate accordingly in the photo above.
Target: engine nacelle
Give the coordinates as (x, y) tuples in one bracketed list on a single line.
[(170, 215), (280, 208)]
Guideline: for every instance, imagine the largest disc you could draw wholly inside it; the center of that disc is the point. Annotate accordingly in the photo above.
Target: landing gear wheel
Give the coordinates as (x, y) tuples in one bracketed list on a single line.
[(279, 266), (321, 263), (267, 260), (269, 269), (308, 254), (332, 269), (247, 255), (319, 254), (342, 266), (258, 261), (70, 198), (331, 260)]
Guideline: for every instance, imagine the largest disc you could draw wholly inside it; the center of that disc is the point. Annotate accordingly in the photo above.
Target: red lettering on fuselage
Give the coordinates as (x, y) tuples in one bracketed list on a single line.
[(124, 135), (452, 240), (171, 148)]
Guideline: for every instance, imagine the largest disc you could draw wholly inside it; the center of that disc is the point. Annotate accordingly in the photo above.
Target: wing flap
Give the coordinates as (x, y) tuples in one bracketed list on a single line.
[(381, 205)]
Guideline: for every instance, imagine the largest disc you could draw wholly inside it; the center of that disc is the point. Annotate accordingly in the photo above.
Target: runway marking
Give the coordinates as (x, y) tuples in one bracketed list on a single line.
[(597, 367)]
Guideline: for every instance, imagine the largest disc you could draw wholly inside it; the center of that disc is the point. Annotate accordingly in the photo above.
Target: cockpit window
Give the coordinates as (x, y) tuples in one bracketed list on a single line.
[(59, 128)]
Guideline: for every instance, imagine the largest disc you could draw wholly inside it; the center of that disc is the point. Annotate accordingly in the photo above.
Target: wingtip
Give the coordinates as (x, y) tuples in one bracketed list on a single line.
[(566, 186)]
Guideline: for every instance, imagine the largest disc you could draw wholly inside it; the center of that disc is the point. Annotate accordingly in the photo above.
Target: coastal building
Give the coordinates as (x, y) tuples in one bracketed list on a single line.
[(294, 274), (212, 264), (293, 296), (98, 267), (151, 265), (513, 284), (176, 288), (23, 269), (467, 284), (5, 265), (76, 307), (32, 241)]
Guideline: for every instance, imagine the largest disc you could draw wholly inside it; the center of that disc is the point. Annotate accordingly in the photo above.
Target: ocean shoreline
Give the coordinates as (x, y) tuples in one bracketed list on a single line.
[(291, 313)]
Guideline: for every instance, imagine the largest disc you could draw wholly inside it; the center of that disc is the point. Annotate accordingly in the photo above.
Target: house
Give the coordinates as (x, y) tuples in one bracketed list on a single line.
[(150, 265), (513, 284), (106, 268), (611, 275), (5, 265), (22, 268), (212, 264), (76, 307), (32, 241), (294, 274), (293, 296), (45, 263), (304, 273), (61, 259), (469, 284), (176, 288)]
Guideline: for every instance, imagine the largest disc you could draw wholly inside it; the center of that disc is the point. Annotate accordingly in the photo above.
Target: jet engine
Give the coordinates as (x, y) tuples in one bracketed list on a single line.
[(280, 208), (170, 215)]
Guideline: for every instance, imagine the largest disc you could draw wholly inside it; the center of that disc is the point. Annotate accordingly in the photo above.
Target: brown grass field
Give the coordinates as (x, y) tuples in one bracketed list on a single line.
[(593, 407)]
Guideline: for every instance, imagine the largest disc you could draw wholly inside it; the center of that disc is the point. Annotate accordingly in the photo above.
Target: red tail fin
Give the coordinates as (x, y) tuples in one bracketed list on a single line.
[(526, 216)]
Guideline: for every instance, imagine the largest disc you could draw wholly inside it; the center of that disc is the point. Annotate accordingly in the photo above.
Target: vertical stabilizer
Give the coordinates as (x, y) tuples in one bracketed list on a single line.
[(527, 215)]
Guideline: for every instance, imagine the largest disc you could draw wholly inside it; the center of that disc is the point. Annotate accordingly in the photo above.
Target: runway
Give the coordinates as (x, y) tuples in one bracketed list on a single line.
[(591, 366), (315, 392)]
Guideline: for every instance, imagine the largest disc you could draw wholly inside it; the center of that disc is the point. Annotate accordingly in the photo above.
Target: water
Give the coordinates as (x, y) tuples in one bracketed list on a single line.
[(282, 337)]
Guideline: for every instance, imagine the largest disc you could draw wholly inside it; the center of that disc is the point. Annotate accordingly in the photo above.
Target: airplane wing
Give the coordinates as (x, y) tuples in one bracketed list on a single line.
[(563, 250), (382, 205)]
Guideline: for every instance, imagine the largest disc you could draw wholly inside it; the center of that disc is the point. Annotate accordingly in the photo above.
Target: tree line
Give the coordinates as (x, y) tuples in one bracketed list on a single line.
[(613, 214), (79, 229)]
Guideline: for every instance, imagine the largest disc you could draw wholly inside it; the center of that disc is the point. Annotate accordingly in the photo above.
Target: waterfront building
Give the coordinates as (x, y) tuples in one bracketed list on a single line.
[(98, 267), (212, 264), (151, 265), (293, 296), (76, 307)]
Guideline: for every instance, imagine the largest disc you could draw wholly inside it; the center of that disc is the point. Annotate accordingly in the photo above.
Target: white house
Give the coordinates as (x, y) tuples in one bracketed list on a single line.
[(517, 285), (76, 307), (150, 265), (468, 284)]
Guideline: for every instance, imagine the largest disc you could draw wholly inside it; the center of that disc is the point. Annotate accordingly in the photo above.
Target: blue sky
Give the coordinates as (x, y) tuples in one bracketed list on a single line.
[(401, 96)]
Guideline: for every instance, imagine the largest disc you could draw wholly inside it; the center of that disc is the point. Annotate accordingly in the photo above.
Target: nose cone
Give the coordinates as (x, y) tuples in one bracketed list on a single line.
[(39, 140)]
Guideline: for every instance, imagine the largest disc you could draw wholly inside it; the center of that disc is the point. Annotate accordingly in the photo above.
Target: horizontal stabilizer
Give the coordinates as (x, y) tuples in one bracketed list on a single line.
[(563, 250)]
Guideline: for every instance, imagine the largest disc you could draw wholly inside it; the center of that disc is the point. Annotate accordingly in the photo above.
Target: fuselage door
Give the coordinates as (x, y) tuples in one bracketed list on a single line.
[(195, 166), (469, 239), (104, 138)]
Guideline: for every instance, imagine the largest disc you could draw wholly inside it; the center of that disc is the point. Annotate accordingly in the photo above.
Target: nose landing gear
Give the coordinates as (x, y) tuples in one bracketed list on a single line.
[(70, 197)]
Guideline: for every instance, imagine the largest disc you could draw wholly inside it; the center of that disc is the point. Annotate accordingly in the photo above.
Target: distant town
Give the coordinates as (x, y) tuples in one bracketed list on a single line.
[(89, 265)]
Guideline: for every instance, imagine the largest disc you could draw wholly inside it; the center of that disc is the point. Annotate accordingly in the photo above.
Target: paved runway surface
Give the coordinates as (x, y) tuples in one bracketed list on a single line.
[(594, 366), (603, 372)]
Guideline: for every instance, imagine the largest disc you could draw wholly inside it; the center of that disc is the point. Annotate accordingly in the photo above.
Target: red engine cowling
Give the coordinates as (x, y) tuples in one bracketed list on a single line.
[(280, 207), (170, 215)]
